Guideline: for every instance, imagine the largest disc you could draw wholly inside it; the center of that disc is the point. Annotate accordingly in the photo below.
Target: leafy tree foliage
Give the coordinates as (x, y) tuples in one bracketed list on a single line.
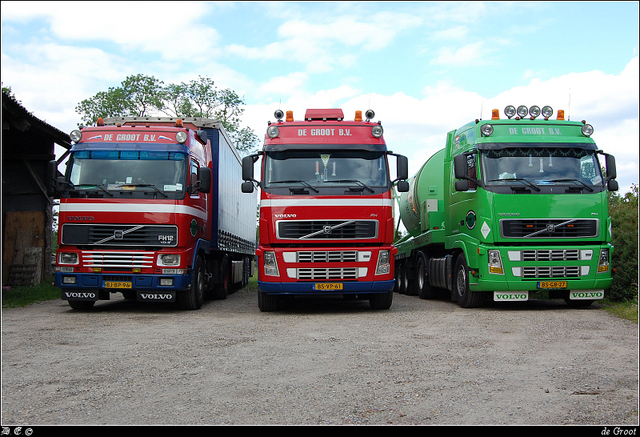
[(624, 217), (140, 95)]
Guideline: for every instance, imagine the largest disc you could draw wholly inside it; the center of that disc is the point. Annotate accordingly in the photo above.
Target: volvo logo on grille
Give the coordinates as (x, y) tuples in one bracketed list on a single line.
[(326, 229), (551, 228), (118, 235)]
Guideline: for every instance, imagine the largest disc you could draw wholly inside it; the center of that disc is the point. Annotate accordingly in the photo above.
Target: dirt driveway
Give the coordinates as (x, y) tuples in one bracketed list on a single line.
[(318, 362)]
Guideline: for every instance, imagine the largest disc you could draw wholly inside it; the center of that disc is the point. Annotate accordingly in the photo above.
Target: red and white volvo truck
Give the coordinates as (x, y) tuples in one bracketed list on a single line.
[(326, 212), (149, 208)]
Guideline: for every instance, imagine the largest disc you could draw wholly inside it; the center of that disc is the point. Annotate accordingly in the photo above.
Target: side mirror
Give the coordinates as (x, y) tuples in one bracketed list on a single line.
[(462, 185), (52, 173), (402, 166), (247, 168), (204, 176), (247, 187), (612, 185), (611, 166), (402, 187), (460, 166)]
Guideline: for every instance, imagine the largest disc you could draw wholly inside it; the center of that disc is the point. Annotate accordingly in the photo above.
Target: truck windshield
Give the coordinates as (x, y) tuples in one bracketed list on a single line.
[(330, 172), (534, 168), (137, 173)]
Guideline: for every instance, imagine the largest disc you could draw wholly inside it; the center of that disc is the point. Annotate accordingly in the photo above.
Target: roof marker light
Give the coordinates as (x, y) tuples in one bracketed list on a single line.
[(522, 111), (289, 116), (560, 114), (510, 111), (358, 116), (495, 114), (100, 121), (178, 123)]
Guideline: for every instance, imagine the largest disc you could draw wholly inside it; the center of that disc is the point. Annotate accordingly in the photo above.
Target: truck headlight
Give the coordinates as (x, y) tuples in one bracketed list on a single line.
[(270, 264), (67, 258), (384, 266), (495, 262), (169, 259), (603, 261)]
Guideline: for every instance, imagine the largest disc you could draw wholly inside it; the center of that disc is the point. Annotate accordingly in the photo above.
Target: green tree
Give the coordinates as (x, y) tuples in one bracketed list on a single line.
[(140, 95), (624, 218)]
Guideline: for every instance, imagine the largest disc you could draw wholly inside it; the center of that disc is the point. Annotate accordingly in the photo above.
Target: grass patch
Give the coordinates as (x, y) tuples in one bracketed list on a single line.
[(624, 310), (15, 297)]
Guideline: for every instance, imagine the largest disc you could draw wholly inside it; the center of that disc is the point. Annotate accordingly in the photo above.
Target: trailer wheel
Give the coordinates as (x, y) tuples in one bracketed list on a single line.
[(466, 297), (425, 290), (267, 302), (381, 301), (193, 298)]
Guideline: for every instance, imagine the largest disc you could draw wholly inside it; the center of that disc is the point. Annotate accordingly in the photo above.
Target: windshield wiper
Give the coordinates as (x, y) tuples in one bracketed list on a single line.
[(146, 185), (571, 180), (354, 181), (89, 187), (295, 181), (528, 182)]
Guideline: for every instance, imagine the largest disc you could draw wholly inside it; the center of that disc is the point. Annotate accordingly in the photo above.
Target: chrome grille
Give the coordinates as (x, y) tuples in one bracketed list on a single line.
[(120, 235), (551, 272), (332, 273), (326, 257), (107, 260), (551, 255)]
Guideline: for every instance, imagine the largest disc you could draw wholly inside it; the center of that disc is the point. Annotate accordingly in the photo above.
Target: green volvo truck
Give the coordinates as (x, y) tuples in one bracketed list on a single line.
[(510, 209)]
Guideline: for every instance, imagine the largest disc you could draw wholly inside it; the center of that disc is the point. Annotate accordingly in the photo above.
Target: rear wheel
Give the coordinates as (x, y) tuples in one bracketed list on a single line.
[(425, 290)]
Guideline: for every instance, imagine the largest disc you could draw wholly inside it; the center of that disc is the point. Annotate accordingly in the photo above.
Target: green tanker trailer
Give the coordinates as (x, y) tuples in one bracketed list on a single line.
[(510, 208)]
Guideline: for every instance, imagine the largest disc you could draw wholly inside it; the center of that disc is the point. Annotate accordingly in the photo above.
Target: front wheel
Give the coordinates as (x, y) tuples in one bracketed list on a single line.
[(381, 301), (267, 302), (193, 298), (466, 297)]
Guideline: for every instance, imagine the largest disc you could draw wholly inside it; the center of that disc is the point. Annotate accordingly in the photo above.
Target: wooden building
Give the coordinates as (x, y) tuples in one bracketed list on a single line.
[(27, 218)]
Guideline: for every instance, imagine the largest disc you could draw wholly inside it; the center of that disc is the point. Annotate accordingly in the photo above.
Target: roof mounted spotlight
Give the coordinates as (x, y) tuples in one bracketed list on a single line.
[(273, 131), (278, 114), (547, 112), (534, 112), (522, 111), (510, 111), (486, 130), (369, 114), (587, 129), (377, 131), (75, 135)]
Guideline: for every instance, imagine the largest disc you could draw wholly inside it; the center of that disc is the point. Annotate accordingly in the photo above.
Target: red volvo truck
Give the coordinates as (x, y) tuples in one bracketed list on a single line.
[(149, 208), (326, 212)]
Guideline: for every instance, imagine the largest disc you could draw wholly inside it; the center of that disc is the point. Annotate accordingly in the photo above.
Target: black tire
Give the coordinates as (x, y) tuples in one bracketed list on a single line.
[(578, 303), (397, 276), (424, 288), (381, 301), (466, 297), (81, 305), (267, 302), (221, 289), (193, 298)]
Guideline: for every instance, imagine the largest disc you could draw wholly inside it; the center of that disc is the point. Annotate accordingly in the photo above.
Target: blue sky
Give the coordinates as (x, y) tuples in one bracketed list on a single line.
[(425, 68)]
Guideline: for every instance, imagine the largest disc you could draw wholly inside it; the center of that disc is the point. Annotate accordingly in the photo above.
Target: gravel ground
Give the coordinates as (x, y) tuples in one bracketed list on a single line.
[(318, 362)]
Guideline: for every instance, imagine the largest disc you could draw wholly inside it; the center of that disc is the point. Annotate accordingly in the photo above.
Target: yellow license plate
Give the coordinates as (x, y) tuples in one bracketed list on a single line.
[(552, 284), (328, 286), (117, 284)]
